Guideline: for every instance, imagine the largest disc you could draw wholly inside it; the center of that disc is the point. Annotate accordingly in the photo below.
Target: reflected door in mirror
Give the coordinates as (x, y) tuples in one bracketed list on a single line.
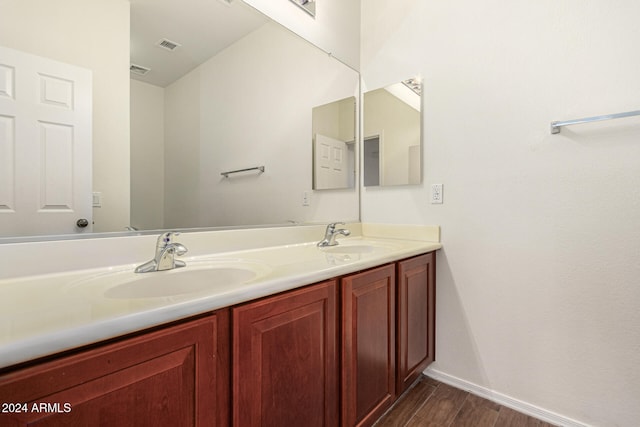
[(45, 145), (372, 161), (330, 167), (334, 158)]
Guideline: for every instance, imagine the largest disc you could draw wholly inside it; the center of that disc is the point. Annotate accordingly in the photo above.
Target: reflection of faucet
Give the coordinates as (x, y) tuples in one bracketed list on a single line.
[(331, 233), (166, 251)]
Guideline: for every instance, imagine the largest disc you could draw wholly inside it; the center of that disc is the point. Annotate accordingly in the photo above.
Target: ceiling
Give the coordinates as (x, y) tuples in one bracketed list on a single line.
[(202, 28)]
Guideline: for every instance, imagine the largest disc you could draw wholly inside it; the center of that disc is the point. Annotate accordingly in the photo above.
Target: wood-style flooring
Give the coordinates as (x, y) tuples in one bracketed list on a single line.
[(430, 403)]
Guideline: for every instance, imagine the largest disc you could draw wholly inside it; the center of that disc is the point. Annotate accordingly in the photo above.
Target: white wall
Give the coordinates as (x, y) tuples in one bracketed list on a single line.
[(537, 284), (182, 153), (147, 156), (336, 119), (93, 34), (251, 105), (335, 28)]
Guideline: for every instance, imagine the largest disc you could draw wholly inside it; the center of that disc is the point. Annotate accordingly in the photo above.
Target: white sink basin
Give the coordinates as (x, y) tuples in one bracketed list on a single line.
[(178, 282), (196, 277), (359, 248)]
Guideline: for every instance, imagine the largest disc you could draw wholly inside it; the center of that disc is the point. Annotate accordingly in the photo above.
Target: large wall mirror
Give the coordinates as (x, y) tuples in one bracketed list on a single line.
[(392, 134), (215, 87)]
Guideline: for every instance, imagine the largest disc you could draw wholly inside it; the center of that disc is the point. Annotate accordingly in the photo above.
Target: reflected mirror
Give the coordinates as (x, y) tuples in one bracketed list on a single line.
[(392, 135), (334, 145), (215, 87)]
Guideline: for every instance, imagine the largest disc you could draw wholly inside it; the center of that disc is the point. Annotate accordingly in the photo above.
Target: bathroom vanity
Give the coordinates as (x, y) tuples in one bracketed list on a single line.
[(334, 351)]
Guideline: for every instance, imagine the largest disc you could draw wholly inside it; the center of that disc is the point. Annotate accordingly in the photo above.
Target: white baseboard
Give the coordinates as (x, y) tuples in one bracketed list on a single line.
[(504, 400)]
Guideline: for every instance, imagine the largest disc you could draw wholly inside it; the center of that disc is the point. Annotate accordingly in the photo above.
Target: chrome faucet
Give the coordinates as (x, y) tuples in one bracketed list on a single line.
[(331, 233), (166, 252)]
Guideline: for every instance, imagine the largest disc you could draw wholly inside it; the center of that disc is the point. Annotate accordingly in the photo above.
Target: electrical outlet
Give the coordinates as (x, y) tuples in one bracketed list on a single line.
[(436, 194)]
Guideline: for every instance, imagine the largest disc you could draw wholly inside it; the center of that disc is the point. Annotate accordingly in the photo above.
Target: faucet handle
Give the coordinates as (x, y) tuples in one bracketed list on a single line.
[(165, 238), (179, 249), (332, 225)]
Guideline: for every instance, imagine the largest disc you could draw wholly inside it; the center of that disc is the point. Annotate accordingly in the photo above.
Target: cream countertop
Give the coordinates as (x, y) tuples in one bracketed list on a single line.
[(47, 313)]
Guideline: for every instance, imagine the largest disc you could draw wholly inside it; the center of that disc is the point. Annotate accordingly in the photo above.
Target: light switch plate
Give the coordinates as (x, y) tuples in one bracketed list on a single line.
[(97, 199)]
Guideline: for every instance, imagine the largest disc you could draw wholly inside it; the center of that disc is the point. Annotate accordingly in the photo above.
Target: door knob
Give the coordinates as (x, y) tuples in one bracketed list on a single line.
[(82, 223)]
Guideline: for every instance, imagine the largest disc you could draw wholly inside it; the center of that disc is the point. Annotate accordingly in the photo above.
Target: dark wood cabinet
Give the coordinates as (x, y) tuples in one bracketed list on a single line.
[(333, 353), (285, 359), (368, 345), (416, 318), (177, 376)]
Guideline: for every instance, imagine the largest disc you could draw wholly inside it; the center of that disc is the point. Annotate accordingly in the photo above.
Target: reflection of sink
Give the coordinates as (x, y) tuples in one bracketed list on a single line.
[(363, 248), (194, 278)]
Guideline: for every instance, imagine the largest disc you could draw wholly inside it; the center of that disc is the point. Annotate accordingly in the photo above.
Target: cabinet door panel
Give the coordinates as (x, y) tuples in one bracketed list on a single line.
[(368, 345), (416, 318), (164, 378), (285, 359)]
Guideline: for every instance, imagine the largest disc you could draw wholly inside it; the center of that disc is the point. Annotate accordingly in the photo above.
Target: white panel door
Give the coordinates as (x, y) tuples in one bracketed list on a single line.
[(330, 168), (45, 145)]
